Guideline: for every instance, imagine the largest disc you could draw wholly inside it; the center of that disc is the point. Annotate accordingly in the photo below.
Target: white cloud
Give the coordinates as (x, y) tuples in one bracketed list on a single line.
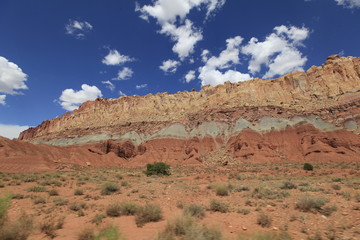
[(115, 58), (228, 58), (71, 99), (12, 78), (121, 93), (78, 28), (170, 66), (190, 76), (279, 51), (171, 16), (349, 3), (185, 36), (124, 74), (11, 131), (109, 85), (2, 99), (141, 86)]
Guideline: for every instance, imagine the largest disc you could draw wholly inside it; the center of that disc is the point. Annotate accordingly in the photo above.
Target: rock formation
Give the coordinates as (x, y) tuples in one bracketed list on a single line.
[(302, 116)]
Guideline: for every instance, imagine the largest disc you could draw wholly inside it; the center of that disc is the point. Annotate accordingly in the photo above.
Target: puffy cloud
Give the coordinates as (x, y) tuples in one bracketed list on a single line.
[(169, 10), (115, 58), (141, 86), (279, 51), (190, 76), (71, 99), (78, 28), (185, 36), (349, 3), (169, 66), (11, 131), (228, 58), (124, 74), (12, 78), (2, 99), (171, 16), (109, 85)]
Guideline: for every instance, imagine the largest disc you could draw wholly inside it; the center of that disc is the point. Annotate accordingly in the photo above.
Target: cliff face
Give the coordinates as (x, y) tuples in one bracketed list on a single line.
[(302, 116), (319, 87)]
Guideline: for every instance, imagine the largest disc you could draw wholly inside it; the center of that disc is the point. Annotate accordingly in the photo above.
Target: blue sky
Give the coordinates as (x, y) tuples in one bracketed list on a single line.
[(54, 55)]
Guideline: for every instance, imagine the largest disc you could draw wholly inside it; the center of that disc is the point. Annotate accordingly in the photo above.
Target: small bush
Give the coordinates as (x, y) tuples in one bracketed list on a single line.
[(49, 227), (217, 206), (129, 208), (77, 206), (78, 192), (109, 188), (267, 193), (114, 210), (327, 211), (17, 230), (308, 167), (109, 233), (288, 185), (307, 203), (60, 201), (336, 187), (39, 200), (244, 211), (37, 188), (357, 196), (86, 234), (158, 168), (53, 192), (4, 206), (186, 227), (264, 220), (98, 219), (148, 213), (194, 210), (221, 191), (268, 236)]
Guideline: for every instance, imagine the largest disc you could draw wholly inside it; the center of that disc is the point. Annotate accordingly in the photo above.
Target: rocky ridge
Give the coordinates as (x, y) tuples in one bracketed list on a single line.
[(302, 116)]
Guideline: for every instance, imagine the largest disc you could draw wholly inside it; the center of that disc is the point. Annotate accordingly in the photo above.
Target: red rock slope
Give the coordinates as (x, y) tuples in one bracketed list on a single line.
[(302, 116)]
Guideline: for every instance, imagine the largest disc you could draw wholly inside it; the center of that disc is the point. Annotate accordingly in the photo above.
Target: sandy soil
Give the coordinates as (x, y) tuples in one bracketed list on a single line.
[(252, 189)]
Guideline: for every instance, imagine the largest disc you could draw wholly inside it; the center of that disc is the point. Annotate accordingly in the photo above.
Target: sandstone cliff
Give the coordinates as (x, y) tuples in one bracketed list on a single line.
[(302, 116)]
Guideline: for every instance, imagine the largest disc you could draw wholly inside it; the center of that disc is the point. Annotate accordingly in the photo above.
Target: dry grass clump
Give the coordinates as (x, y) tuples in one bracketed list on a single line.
[(185, 227), (264, 220), (308, 203), (195, 210), (217, 206), (148, 213)]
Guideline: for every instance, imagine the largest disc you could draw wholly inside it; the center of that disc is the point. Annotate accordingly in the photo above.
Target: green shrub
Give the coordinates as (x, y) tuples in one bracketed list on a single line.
[(129, 208), (60, 201), (307, 203), (77, 206), (185, 227), (86, 234), (4, 206), (195, 210), (217, 206), (308, 167), (148, 213), (17, 230), (98, 219), (221, 191), (37, 188), (244, 211), (49, 227), (53, 192), (267, 193), (109, 188), (264, 220), (109, 233), (336, 187), (158, 168), (114, 210), (39, 200), (78, 192), (288, 185)]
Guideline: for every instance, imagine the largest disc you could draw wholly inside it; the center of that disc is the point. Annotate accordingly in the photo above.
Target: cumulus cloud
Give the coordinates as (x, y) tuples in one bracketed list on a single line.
[(216, 69), (279, 51), (349, 3), (185, 36), (114, 58), (141, 86), (170, 66), (190, 76), (171, 16), (12, 78), (71, 99), (109, 85), (11, 131), (78, 29), (2, 99), (124, 74)]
